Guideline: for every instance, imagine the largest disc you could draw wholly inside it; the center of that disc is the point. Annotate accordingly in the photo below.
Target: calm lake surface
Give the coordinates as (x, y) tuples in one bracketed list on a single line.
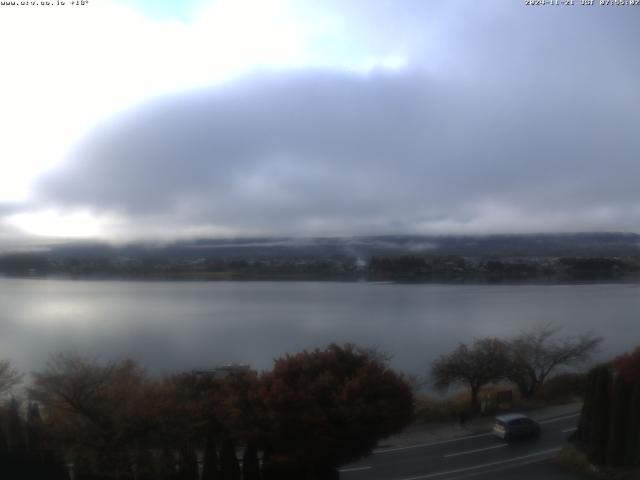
[(170, 326)]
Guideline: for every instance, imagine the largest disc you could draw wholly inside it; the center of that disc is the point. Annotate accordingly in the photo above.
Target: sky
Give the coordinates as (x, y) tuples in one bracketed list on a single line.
[(154, 120)]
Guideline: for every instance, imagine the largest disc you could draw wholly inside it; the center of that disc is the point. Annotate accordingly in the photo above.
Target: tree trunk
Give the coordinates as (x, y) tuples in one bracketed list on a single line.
[(229, 468), (600, 422), (475, 403), (167, 464), (585, 425), (531, 390), (632, 453), (188, 469), (210, 460), (250, 464)]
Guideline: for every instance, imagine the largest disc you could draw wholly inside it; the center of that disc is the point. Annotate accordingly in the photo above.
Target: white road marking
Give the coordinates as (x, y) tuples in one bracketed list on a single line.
[(559, 419), (572, 429), (355, 469), (500, 468), (484, 465), (478, 435), (397, 449), (457, 454)]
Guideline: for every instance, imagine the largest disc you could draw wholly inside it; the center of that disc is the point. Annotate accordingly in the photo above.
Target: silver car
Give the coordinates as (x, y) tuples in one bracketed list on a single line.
[(515, 425)]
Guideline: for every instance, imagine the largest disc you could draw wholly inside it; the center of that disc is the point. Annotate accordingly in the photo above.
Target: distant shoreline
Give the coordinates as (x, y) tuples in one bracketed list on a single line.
[(285, 278)]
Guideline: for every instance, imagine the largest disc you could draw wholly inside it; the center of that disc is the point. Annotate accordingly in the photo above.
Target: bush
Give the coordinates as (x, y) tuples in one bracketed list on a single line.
[(575, 460), (428, 409), (563, 388)]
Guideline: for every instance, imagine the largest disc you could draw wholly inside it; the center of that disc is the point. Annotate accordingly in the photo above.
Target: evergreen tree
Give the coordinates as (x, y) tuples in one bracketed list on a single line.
[(82, 466), (632, 450), (44, 459), (4, 449), (53, 467), (250, 464), (6, 462), (16, 442), (597, 447), (229, 468), (584, 432), (210, 460), (144, 465), (628, 367), (188, 465), (35, 462), (167, 464), (617, 434), (124, 465), (268, 466), (15, 430)]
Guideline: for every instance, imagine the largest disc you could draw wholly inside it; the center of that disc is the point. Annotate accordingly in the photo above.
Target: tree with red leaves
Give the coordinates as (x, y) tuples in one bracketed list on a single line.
[(628, 365), (329, 407)]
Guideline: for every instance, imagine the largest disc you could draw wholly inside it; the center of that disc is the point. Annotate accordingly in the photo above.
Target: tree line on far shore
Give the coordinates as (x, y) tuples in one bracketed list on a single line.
[(424, 267)]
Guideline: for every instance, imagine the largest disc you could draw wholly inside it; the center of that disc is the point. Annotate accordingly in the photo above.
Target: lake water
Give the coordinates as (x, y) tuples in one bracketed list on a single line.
[(170, 326)]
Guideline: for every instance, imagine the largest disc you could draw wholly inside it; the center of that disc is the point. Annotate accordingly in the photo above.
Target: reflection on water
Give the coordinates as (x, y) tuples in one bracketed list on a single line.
[(169, 326)]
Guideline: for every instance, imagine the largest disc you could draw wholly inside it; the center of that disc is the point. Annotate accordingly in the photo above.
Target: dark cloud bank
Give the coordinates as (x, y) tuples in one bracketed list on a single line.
[(531, 125)]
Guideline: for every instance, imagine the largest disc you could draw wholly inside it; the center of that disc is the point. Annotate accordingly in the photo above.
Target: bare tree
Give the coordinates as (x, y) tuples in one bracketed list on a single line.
[(9, 377), (485, 362), (93, 403), (536, 353)]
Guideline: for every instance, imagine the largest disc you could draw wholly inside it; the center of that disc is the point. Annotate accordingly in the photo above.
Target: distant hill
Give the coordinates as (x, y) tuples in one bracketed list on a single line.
[(584, 256), (500, 246)]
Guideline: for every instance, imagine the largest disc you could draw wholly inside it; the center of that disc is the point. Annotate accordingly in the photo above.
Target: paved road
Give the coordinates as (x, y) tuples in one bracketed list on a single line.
[(543, 470), (477, 456)]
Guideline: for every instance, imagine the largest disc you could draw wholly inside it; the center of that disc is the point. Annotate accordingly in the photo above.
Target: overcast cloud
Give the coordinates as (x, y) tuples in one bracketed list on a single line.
[(438, 117)]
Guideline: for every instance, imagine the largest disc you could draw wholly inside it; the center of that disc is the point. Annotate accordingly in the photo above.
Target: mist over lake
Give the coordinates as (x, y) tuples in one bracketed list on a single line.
[(170, 326)]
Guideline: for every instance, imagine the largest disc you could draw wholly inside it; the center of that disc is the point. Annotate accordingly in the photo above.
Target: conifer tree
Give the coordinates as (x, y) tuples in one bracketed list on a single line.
[(250, 464), (210, 460), (617, 434), (632, 450), (597, 446), (585, 431), (5, 459), (628, 367), (15, 430), (167, 464), (144, 465), (188, 465), (229, 468), (82, 466)]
